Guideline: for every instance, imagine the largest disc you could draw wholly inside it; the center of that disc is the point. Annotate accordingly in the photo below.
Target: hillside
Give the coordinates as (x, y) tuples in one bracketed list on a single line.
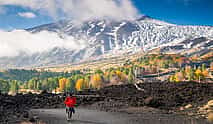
[(107, 39)]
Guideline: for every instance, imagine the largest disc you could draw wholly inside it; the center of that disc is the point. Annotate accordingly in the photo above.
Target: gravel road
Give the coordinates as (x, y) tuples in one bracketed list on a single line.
[(85, 116)]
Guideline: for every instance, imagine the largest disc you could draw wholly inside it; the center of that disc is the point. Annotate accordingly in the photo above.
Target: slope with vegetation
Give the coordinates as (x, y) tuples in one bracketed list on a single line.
[(175, 67)]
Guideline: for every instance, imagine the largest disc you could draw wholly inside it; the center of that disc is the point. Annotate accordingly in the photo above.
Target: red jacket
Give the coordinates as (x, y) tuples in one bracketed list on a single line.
[(70, 101)]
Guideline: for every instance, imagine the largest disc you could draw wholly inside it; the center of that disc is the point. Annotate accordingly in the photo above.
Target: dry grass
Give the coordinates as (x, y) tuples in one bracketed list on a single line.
[(210, 117)]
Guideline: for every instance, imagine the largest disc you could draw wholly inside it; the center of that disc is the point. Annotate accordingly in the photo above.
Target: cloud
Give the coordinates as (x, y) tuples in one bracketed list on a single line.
[(89, 9), (80, 10), (14, 42), (27, 14)]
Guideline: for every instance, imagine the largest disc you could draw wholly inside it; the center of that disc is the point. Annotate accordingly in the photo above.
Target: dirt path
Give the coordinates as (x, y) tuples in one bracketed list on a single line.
[(85, 116), (82, 116)]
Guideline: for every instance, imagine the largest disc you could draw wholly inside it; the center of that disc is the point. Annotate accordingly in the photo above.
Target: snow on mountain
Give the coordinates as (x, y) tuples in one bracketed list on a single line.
[(111, 38)]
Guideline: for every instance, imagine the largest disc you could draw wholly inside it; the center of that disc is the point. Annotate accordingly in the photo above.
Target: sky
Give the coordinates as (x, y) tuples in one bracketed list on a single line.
[(182, 12), (17, 15), (22, 14)]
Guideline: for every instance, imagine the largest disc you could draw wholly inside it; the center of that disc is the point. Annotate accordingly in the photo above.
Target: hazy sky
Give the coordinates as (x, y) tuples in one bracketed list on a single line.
[(21, 14)]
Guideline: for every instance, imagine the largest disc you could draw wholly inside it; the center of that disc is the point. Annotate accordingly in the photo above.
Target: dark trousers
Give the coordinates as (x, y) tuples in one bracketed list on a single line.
[(70, 109)]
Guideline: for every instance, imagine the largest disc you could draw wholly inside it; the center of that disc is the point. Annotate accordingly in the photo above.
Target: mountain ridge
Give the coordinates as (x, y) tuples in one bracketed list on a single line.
[(106, 37)]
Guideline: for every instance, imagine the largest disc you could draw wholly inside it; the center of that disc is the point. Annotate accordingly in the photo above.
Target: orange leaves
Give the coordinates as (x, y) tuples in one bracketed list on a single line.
[(205, 73), (199, 74)]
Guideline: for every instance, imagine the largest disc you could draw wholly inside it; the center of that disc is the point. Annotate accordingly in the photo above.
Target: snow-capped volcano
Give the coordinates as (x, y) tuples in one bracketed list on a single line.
[(144, 33), (111, 37)]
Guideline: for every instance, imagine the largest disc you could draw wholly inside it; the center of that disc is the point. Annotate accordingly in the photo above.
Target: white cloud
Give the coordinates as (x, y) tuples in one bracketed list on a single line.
[(27, 14), (46, 5), (80, 10), (89, 9), (12, 43)]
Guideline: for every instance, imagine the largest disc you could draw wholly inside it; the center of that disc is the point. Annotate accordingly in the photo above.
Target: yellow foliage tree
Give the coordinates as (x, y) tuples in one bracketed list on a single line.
[(121, 76), (172, 78), (79, 84), (198, 74), (96, 81), (62, 84)]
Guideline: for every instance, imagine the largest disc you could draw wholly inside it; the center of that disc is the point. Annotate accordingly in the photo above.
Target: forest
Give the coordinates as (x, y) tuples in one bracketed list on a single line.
[(184, 69)]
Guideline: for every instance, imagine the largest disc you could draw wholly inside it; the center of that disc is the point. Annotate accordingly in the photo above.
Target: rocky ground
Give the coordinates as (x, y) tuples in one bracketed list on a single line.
[(187, 98), (16, 108), (160, 95), (183, 98)]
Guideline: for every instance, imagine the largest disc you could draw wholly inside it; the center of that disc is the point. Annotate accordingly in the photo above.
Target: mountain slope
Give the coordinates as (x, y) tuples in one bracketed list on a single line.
[(113, 38)]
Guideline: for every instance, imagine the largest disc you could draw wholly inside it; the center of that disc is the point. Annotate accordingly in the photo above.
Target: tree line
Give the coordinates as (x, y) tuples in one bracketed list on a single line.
[(189, 73), (26, 75), (75, 82)]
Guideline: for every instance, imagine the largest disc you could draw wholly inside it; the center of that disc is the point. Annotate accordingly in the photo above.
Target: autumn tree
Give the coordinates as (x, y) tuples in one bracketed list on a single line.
[(79, 84), (205, 73), (121, 76), (198, 74), (62, 84), (96, 81), (172, 78), (179, 76)]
